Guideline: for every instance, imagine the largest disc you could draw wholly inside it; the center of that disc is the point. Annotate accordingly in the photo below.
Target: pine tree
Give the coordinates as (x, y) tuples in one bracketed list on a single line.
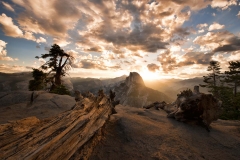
[(57, 65), (233, 76), (212, 78)]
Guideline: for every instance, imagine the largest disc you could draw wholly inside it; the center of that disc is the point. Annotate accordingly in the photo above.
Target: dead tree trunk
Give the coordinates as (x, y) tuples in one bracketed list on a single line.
[(70, 135)]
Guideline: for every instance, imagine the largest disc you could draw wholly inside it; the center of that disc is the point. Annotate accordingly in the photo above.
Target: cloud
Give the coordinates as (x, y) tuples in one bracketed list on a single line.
[(223, 4), (42, 61), (49, 17), (200, 26), (13, 68), (87, 61), (182, 31), (41, 40), (215, 26), (8, 27), (89, 64), (73, 53), (134, 30), (135, 26), (167, 61), (233, 44), (29, 36), (8, 6), (214, 14), (238, 15), (191, 58), (218, 41), (170, 62), (61, 42), (3, 52), (153, 67), (201, 31)]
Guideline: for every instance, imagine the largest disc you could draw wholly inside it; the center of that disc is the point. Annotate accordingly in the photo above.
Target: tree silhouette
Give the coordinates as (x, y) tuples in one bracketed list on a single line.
[(57, 64), (212, 78), (233, 76), (38, 82)]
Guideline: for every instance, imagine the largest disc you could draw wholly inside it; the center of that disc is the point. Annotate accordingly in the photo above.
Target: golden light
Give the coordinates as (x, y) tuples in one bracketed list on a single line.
[(148, 75)]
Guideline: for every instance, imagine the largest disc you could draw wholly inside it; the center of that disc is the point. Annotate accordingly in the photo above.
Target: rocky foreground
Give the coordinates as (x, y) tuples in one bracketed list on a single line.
[(87, 131), (136, 133), (70, 135)]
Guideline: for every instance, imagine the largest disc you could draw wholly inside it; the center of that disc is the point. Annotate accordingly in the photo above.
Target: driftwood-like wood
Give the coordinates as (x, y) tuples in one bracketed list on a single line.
[(70, 135)]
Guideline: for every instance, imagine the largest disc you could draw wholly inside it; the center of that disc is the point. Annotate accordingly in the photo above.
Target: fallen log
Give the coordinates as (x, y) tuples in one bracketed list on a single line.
[(70, 135)]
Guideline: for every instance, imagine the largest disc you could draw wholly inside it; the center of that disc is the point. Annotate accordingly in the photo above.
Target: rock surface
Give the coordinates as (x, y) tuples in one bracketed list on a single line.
[(21, 104), (136, 133), (133, 92), (70, 135), (192, 106)]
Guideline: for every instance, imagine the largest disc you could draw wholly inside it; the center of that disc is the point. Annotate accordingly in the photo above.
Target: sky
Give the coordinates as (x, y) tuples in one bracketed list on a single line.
[(109, 38)]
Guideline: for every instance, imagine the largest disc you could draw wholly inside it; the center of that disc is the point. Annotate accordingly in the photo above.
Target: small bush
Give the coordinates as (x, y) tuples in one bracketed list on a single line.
[(62, 90)]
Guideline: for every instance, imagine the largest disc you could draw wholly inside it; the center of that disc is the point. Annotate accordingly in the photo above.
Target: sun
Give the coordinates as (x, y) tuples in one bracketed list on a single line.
[(148, 75)]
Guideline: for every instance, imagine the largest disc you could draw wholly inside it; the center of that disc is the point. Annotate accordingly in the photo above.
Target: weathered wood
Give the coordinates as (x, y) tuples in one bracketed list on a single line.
[(62, 137)]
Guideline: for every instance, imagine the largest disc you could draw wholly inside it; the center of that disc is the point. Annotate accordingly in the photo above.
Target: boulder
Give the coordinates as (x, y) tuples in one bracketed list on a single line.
[(192, 106), (21, 104)]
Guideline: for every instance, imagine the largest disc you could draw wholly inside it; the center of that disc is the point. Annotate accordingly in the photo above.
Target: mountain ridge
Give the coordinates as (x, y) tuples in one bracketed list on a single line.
[(133, 92)]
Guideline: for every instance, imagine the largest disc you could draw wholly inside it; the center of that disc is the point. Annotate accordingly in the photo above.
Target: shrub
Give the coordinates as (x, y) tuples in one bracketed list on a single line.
[(62, 90)]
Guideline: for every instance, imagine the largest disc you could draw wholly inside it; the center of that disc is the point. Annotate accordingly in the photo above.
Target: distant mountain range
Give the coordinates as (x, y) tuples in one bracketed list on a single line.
[(170, 87)]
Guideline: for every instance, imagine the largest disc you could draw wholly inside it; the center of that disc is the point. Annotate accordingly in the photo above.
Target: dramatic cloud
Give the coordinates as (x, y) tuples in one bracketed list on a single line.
[(109, 35), (223, 4), (124, 25), (167, 61), (87, 61), (49, 17), (153, 67), (8, 6), (3, 52), (195, 58), (215, 26), (8, 27), (218, 41)]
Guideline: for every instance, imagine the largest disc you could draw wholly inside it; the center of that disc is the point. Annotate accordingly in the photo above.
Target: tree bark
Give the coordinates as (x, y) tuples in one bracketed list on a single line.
[(58, 77)]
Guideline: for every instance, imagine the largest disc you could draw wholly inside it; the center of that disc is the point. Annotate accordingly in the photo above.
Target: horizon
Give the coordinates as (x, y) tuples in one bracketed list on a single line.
[(112, 38), (103, 78)]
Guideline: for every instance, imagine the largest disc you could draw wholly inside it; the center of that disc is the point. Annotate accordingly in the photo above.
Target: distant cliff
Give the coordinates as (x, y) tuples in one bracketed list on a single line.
[(133, 92)]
